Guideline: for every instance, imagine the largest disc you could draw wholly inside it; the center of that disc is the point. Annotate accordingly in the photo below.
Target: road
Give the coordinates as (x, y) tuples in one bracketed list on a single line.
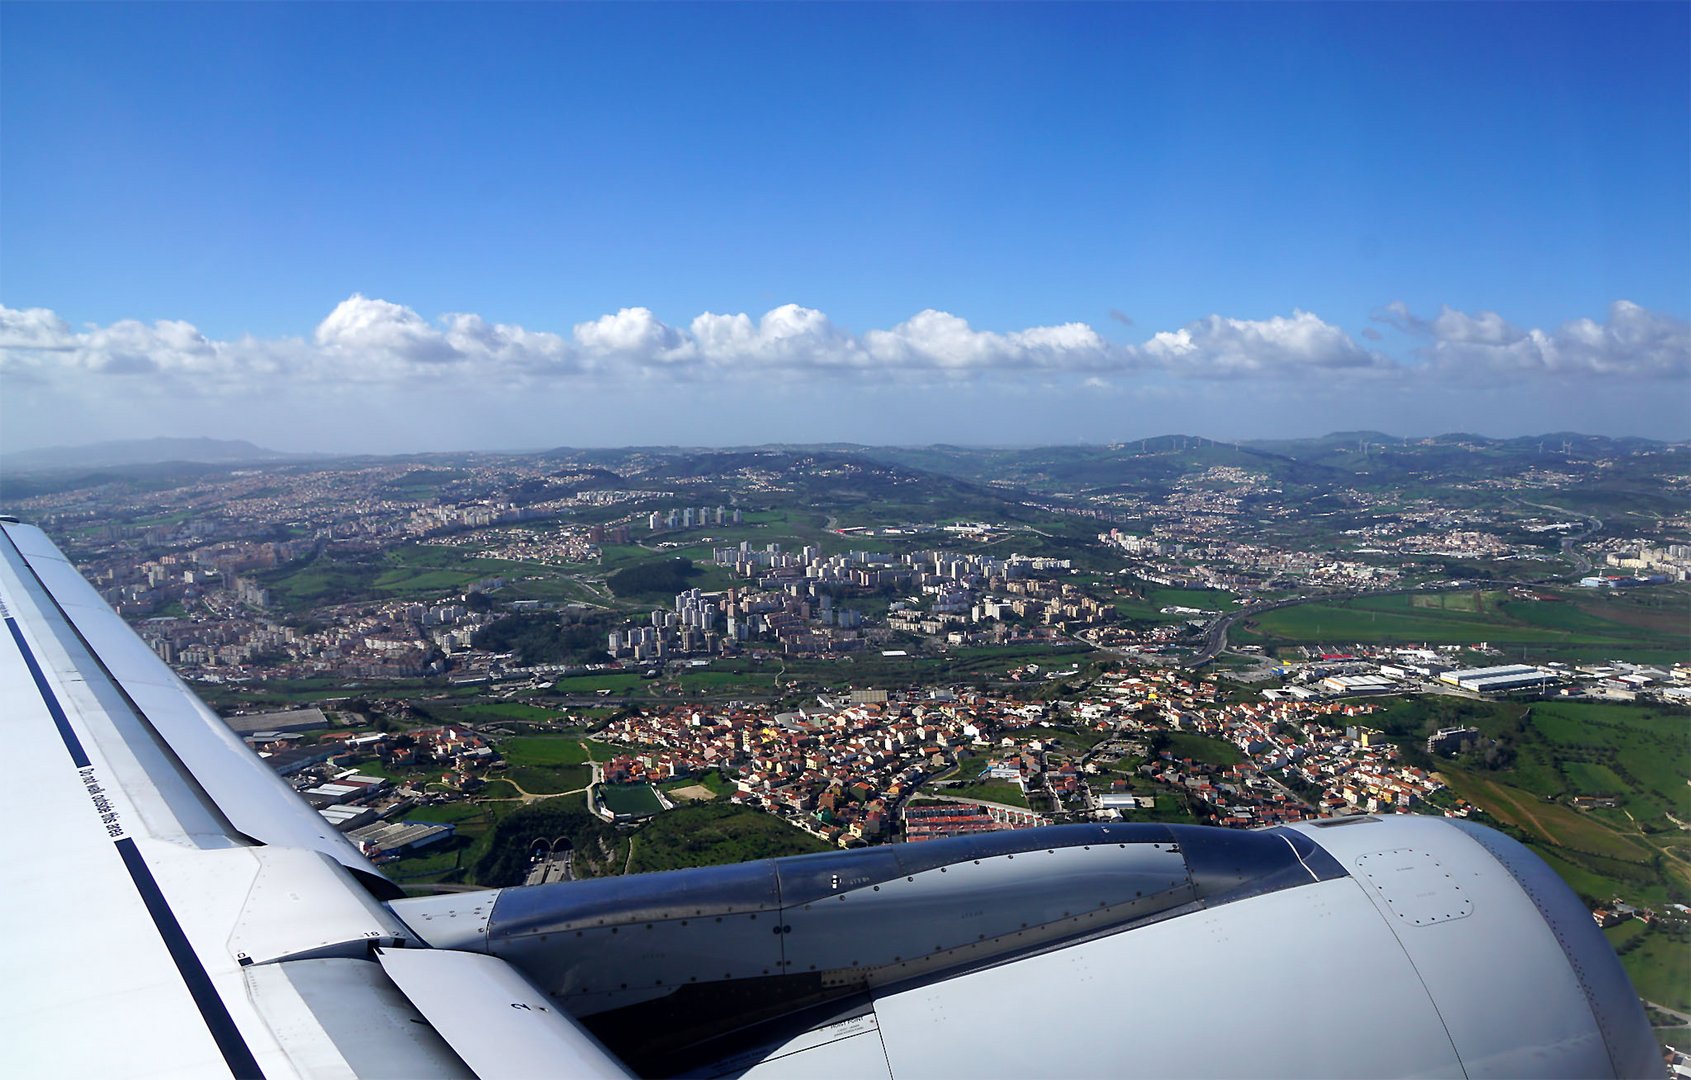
[(558, 866), (1582, 565), (1683, 1018), (1215, 635), (529, 796)]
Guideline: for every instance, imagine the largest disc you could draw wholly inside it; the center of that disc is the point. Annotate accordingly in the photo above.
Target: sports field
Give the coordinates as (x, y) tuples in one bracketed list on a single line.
[(629, 798)]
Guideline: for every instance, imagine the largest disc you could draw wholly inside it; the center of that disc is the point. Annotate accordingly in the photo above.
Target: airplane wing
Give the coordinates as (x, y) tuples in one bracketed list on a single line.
[(173, 908)]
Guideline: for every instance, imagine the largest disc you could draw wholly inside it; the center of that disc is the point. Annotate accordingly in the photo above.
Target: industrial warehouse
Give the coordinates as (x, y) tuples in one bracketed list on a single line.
[(1495, 680)]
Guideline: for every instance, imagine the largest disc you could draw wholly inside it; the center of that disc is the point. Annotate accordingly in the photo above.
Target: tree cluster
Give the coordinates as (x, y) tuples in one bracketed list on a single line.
[(665, 576), (506, 860), (546, 638)]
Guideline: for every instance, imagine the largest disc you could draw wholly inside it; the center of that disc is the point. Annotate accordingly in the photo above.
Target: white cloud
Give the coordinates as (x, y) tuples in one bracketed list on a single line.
[(26, 329), (789, 338), (362, 330), (1218, 346), (380, 343), (939, 341), (39, 343), (510, 347), (632, 334), (1633, 343), (1486, 328)]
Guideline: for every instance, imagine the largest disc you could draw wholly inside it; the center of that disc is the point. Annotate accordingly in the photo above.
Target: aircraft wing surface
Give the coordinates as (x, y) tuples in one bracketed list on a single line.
[(171, 907)]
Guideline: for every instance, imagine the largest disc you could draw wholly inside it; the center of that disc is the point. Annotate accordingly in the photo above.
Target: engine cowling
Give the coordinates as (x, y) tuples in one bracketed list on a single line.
[(1476, 955)]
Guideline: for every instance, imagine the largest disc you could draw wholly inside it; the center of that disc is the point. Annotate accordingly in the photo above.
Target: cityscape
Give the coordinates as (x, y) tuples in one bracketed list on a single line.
[(526, 669), (855, 650)]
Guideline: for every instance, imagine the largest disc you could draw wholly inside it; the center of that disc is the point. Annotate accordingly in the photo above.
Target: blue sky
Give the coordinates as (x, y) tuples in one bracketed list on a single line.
[(1267, 219)]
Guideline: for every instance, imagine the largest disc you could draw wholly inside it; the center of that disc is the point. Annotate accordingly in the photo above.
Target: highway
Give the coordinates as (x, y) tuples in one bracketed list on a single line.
[(1582, 565), (554, 867)]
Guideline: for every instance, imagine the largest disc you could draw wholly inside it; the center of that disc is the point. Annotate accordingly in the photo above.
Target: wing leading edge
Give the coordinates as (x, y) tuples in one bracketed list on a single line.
[(160, 866)]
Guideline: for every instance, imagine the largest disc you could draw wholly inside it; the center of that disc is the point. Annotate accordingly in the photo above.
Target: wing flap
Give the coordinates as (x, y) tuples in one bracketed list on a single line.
[(344, 1018), (850, 1047), (494, 1018)]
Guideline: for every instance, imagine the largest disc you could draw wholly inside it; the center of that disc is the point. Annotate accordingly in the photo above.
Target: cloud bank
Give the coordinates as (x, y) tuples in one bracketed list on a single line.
[(1633, 343), (366, 340)]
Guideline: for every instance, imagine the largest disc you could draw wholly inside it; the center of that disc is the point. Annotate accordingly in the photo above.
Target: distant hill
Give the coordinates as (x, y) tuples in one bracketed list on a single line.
[(140, 452)]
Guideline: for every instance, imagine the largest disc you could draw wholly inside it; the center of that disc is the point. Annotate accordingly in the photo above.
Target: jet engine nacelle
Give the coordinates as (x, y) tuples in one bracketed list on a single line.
[(1351, 947)]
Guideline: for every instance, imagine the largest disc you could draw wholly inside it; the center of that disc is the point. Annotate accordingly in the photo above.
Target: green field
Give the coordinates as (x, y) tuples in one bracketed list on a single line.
[(714, 834), (588, 684), (761, 682), (492, 712), (804, 676), (1580, 624), (324, 691), (1559, 749), (1149, 608), (420, 571), (409, 571), (1203, 748), (1372, 619), (970, 764), (552, 764), (629, 798), (556, 750), (1658, 960), (1560, 825), (1588, 778), (547, 584), (998, 791), (549, 779), (1641, 752), (1592, 885)]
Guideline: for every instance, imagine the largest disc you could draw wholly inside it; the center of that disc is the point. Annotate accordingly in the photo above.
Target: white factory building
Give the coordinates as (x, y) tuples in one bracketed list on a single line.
[(1494, 680)]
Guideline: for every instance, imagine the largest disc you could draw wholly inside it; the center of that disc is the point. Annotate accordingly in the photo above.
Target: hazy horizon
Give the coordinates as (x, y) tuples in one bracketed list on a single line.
[(294, 454)]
